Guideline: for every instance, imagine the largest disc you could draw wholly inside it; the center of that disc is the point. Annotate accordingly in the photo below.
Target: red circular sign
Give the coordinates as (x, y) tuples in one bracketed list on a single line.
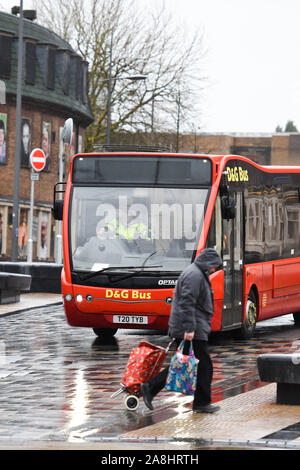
[(37, 159)]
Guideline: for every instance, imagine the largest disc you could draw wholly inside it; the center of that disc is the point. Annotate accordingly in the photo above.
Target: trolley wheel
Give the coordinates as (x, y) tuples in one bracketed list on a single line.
[(131, 402)]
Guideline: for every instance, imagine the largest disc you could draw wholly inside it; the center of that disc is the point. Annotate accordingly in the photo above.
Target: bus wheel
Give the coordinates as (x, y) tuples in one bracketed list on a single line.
[(248, 327), (105, 332), (296, 316)]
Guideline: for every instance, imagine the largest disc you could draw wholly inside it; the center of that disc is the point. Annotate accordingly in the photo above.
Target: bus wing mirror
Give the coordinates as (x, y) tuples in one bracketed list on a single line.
[(58, 203), (228, 207), (58, 208)]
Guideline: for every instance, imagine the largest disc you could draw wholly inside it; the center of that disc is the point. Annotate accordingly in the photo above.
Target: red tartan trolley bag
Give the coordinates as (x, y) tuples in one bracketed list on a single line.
[(144, 363)]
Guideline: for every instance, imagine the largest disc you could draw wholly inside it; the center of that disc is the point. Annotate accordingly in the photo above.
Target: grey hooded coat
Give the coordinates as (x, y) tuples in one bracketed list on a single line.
[(192, 306)]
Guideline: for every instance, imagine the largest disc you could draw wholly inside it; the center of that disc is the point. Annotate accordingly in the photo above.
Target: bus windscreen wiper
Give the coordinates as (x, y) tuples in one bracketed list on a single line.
[(141, 269), (110, 268), (134, 273)]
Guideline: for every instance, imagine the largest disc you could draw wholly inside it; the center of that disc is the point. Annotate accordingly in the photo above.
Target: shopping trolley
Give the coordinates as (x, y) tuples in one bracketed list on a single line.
[(144, 363)]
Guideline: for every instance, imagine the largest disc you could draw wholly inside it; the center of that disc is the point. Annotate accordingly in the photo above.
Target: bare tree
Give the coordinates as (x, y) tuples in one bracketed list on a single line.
[(143, 43)]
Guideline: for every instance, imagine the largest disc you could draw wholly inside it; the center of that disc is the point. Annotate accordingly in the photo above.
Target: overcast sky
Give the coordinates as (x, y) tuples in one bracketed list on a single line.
[(253, 61)]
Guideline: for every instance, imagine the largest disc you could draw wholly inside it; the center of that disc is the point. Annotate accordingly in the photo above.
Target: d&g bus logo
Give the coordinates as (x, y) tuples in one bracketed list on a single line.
[(125, 294), (237, 174)]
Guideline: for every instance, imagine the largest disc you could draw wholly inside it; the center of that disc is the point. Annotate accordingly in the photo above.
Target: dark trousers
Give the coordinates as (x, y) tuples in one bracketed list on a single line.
[(204, 375)]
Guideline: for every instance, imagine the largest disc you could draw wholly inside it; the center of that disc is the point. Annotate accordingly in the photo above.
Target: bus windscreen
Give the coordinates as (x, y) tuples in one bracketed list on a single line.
[(139, 169), (125, 226)]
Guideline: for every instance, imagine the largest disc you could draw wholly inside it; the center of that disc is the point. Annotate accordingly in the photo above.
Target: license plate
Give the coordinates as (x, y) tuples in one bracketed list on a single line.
[(130, 319)]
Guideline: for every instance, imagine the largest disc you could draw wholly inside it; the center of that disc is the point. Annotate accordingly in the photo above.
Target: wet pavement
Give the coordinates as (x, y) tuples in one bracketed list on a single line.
[(57, 381)]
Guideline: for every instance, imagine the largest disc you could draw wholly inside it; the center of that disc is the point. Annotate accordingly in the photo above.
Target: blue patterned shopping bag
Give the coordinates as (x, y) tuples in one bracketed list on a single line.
[(182, 373)]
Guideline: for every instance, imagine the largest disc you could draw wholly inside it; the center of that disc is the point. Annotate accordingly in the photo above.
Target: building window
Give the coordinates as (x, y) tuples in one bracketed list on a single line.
[(46, 56), (30, 55), (5, 56), (76, 77), (80, 81), (63, 70), (258, 154), (85, 83), (50, 69)]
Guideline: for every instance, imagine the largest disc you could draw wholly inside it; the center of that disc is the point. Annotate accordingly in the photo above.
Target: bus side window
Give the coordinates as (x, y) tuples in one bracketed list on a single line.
[(214, 236)]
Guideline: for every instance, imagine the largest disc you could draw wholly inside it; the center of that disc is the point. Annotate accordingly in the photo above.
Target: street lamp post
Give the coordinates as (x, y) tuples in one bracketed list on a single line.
[(29, 14), (14, 255)]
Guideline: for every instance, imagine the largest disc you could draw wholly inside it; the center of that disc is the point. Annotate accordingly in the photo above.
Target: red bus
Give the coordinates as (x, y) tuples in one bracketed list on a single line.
[(133, 221)]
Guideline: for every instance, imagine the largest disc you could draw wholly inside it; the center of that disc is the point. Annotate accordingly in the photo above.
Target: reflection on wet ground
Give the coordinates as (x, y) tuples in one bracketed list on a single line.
[(57, 381)]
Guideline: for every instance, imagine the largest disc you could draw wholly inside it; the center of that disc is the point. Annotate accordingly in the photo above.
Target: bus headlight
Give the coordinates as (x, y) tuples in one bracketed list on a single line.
[(79, 298), (169, 300), (68, 297), (89, 298)]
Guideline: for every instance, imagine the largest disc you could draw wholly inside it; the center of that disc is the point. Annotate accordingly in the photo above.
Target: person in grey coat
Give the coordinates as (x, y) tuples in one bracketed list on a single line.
[(190, 320)]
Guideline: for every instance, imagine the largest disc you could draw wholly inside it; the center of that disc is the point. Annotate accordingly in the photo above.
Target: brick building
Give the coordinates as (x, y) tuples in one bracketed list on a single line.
[(54, 88), (265, 149)]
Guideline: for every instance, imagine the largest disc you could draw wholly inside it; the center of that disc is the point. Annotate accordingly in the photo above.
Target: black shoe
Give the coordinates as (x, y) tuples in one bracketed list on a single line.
[(206, 409), (145, 388)]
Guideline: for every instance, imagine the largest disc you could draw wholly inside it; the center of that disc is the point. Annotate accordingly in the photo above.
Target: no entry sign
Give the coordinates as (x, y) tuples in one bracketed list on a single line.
[(37, 159)]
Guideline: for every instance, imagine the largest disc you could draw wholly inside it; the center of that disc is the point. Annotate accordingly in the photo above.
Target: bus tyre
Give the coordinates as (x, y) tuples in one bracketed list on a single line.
[(296, 316), (248, 327), (105, 332)]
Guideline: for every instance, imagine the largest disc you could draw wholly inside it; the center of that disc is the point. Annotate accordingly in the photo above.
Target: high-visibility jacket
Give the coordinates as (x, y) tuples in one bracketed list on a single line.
[(135, 231), (132, 232)]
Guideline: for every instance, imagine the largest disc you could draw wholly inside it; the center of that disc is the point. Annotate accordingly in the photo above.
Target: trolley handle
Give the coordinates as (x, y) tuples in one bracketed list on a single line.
[(166, 351), (170, 344)]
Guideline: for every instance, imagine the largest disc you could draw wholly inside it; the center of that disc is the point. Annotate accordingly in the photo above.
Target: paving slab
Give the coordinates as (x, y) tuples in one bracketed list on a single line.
[(247, 420), (247, 417), (29, 301)]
